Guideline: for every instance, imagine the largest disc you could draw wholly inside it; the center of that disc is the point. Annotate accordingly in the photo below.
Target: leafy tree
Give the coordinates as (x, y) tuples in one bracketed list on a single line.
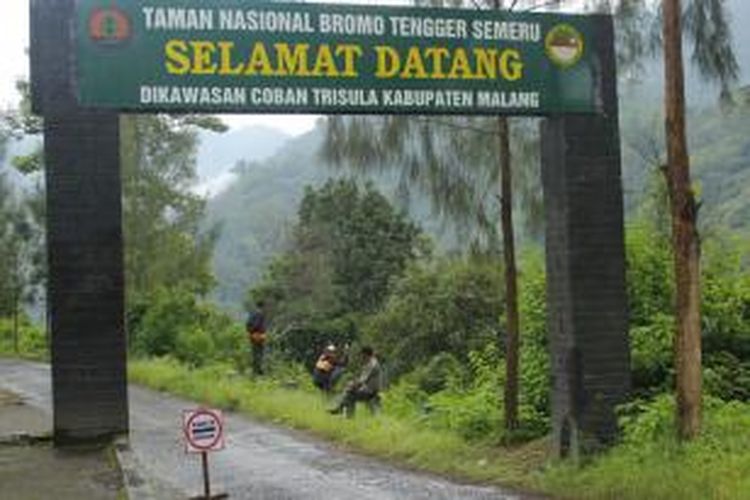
[(161, 216), (172, 321), (163, 244), (349, 243), (704, 23), (22, 259), (443, 306), (448, 159)]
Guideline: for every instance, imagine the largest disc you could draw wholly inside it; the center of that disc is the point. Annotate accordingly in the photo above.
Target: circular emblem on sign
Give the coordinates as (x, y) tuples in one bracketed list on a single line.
[(110, 25), (564, 45)]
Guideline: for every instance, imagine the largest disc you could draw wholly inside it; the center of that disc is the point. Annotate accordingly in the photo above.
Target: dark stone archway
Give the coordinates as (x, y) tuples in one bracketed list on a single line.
[(584, 237)]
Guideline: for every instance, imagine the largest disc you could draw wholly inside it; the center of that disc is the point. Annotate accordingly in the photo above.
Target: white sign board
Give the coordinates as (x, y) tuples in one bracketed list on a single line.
[(203, 429)]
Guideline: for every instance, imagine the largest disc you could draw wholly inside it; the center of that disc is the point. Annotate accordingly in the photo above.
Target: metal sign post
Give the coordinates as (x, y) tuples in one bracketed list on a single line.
[(204, 431)]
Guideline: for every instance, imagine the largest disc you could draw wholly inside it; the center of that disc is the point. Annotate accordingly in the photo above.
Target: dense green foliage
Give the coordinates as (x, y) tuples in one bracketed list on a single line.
[(349, 244), (651, 463), (173, 321), (726, 313), (164, 246), (21, 237), (257, 213), (32, 342), (442, 306)]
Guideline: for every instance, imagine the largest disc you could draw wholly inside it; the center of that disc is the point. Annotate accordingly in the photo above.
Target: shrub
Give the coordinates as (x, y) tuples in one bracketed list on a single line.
[(32, 341), (651, 354), (303, 343), (439, 306), (174, 322), (194, 346)]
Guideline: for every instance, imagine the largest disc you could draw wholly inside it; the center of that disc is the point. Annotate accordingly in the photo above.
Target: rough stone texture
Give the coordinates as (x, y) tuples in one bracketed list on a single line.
[(84, 238), (587, 302)]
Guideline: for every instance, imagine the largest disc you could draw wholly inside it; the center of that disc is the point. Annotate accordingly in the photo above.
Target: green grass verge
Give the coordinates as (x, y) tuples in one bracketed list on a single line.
[(31, 343), (648, 465), (384, 436), (651, 464)]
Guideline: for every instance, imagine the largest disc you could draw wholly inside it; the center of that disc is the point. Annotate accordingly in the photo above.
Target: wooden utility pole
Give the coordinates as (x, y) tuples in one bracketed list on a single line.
[(685, 242)]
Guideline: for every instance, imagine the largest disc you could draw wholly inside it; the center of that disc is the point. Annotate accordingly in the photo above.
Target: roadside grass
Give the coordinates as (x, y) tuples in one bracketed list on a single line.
[(400, 440), (648, 464), (651, 464), (31, 342)]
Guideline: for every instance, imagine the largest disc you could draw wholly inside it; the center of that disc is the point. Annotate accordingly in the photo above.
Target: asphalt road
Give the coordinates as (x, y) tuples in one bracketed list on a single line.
[(260, 462)]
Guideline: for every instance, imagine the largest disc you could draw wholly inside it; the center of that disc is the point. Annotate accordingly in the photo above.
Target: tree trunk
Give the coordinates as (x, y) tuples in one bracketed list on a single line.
[(685, 241), (511, 288), (16, 281), (509, 257)]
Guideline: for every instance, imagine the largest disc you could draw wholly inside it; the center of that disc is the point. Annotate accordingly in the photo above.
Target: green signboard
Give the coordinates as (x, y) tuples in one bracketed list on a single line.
[(245, 56)]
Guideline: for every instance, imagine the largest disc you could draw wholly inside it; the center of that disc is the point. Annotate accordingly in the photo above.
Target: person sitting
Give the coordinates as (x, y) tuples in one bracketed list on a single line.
[(366, 387), (324, 369), (342, 361)]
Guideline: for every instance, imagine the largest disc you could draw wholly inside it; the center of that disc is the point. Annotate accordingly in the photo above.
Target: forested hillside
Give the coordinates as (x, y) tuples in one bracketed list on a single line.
[(254, 215), (254, 212), (720, 152)]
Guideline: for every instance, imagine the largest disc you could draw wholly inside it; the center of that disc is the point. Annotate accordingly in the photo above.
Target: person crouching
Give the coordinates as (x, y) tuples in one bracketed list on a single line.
[(324, 369), (366, 387)]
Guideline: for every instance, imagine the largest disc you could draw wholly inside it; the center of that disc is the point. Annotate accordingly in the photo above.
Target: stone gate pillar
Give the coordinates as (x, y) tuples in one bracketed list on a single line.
[(587, 302), (84, 240)]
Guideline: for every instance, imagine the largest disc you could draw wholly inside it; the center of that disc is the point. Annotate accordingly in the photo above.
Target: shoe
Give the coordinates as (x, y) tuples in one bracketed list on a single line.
[(335, 411)]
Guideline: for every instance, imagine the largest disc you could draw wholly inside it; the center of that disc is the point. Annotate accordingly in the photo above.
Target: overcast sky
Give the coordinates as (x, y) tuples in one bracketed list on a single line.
[(14, 39)]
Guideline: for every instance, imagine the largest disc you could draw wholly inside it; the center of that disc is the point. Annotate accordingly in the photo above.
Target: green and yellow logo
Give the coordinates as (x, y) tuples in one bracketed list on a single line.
[(109, 25), (564, 45)]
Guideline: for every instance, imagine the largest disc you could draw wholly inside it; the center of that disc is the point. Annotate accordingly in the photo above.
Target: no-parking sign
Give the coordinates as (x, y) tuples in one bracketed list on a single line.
[(203, 429)]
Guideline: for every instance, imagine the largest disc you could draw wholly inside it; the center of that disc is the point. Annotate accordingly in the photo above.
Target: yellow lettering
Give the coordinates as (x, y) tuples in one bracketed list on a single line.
[(388, 62), (511, 65), (178, 60), (351, 52), (486, 63), (460, 67), (414, 65), (259, 62), (324, 63), (203, 53), (225, 49), (437, 54), (292, 63)]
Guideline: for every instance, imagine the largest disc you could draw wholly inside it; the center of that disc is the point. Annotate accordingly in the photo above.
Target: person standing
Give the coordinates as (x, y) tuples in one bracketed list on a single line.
[(365, 388), (256, 331)]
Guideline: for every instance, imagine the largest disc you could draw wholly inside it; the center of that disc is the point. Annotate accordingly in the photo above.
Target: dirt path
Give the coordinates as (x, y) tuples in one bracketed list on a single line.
[(261, 461)]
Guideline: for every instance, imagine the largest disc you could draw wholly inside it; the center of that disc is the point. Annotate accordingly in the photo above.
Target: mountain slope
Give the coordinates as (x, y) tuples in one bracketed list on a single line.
[(218, 153), (255, 214), (257, 211)]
